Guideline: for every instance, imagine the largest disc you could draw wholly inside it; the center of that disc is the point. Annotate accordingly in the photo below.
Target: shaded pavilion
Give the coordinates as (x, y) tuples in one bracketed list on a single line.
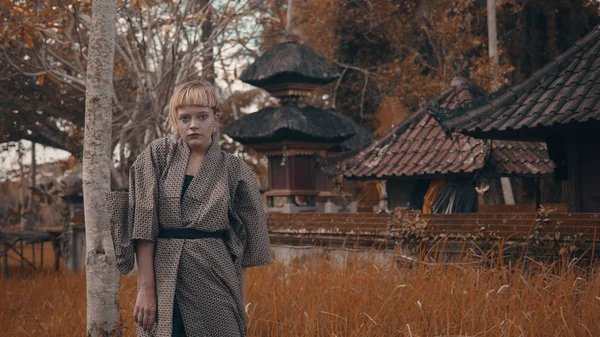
[(560, 105), (294, 136), (425, 167)]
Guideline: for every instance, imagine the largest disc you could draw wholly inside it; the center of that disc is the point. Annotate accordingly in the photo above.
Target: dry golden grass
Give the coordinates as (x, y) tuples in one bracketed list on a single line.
[(323, 298)]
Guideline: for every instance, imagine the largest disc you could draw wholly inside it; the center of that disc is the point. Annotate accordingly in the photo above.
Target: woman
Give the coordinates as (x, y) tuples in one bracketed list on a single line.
[(195, 220)]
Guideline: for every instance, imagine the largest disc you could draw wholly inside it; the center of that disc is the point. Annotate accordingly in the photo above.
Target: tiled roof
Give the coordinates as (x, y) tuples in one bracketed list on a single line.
[(520, 158), (421, 147), (567, 90)]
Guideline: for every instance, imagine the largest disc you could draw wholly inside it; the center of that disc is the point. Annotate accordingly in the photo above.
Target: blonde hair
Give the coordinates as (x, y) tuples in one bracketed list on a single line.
[(194, 93)]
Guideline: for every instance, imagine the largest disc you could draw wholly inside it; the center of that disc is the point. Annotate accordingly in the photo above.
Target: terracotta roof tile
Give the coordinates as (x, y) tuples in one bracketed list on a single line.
[(421, 147), (564, 91)]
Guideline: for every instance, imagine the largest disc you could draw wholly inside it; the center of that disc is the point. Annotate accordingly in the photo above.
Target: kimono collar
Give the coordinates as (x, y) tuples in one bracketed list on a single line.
[(213, 149), (208, 170)]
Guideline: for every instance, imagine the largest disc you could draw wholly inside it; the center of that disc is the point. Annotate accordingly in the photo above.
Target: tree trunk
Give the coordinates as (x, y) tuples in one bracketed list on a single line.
[(551, 33), (32, 173), (290, 16), (23, 221), (509, 198), (101, 273), (208, 64), (493, 41)]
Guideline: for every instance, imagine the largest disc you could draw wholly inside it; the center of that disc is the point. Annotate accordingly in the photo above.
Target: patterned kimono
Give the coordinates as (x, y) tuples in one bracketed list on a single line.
[(204, 274)]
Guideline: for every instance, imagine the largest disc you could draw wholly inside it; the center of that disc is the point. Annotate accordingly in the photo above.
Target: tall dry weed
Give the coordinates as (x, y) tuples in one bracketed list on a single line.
[(323, 297)]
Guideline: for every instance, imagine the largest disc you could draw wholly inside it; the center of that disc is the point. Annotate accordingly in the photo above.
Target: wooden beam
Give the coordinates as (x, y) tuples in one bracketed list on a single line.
[(574, 188), (270, 174), (538, 192), (5, 259), (56, 246), (22, 256), (33, 254), (276, 193), (288, 173)]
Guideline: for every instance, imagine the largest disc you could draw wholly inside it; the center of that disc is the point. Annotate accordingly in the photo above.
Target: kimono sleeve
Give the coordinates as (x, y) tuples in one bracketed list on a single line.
[(143, 197), (118, 208), (249, 208)]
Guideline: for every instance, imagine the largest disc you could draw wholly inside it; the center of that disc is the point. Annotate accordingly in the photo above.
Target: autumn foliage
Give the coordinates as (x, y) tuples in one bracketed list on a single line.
[(394, 56)]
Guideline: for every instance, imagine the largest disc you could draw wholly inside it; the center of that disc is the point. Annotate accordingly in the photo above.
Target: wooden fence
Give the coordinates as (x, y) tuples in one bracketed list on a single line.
[(484, 235), (20, 247), (537, 235)]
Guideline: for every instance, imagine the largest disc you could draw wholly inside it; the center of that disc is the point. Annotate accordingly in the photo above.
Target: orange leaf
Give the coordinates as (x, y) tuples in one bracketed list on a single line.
[(54, 79), (28, 40), (40, 80)]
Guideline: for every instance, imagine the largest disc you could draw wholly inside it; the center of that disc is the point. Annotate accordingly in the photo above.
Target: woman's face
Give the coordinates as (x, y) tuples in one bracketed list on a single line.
[(196, 124)]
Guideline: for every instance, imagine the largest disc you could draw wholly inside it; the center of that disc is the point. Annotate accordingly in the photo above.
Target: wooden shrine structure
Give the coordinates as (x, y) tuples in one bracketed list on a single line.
[(293, 135)]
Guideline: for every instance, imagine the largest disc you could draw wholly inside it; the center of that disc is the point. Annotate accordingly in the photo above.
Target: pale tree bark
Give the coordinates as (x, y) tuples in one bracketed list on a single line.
[(208, 64), (493, 41), (159, 44), (22, 189), (290, 16), (509, 197), (101, 273), (32, 174)]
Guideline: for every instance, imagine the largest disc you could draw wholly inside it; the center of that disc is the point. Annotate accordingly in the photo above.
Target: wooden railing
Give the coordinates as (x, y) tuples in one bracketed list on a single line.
[(13, 245), (537, 235)]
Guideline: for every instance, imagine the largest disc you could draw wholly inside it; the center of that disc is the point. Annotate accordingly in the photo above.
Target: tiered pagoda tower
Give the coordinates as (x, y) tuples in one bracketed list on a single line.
[(294, 136)]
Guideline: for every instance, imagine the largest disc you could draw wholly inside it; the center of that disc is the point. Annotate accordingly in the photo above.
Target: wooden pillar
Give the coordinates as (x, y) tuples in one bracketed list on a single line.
[(33, 254), (42, 254), (56, 247), (574, 189), (21, 245), (269, 173), (74, 252), (507, 191), (564, 198), (538, 193), (5, 259), (289, 171)]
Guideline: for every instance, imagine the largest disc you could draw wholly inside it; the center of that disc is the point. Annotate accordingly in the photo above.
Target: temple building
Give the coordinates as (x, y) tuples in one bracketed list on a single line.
[(295, 136), (421, 166), (560, 105)]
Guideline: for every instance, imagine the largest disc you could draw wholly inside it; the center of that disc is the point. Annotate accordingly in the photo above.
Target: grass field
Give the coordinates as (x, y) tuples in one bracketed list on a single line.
[(323, 298)]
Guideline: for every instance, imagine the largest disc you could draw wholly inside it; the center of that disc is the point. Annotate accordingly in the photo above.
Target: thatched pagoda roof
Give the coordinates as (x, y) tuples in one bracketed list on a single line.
[(289, 62), (362, 137), (291, 122)]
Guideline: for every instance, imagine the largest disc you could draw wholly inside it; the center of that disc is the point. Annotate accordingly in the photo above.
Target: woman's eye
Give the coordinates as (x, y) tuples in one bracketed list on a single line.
[(184, 118), (203, 117)]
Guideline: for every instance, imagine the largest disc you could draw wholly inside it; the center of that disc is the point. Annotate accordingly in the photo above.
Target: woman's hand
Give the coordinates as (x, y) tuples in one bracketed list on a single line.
[(145, 308)]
